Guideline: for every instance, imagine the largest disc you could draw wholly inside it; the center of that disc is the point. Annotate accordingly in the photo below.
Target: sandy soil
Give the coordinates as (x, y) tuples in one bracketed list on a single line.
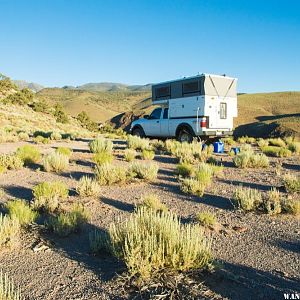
[(260, 262)]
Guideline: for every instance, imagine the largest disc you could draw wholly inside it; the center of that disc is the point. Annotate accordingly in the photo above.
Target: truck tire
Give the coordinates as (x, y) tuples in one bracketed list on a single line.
[(137, 131), (185, 135)]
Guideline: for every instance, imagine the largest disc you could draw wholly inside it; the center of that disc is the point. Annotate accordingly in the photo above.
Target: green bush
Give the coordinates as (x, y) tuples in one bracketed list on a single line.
[(40, 106), (21, 211), (248, 159), (137, 143), (60, 115), (55, 162), (147, 171), (66, 223), (206, 218), (192, 186), (246, 139), (108, 174), (41, 140), (277, 142), (28, 154), (272, 202), (148, 154), (291, 183), (292, 206), (8, 291), (103, 157), (10, 162), (86, 122), (185, 169), (9, 231), (262, 143), (101, 144), (129, 155), (47, 195), (150, 242), (23, 97), (152, 201), (23, 136), (247, 199), (88, 187), (294, 147), (64, 150)]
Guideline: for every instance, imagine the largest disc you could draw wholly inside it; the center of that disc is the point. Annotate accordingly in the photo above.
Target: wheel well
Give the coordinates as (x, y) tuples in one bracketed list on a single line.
[(137, 127), (186, 127)]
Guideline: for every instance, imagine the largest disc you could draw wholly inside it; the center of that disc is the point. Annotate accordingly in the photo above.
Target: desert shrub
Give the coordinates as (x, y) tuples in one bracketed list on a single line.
[(69, 222), (150, 242), (206, 218), (185, 169), (40, 106), (292, 206), (64, 150), (147, 154), (9, 231), (101, 144), (56, 136), (129, 155), (86, 122), (100, 242), (246, 139), (108, 174), (137, 143), (41, 140), (23, 97), (248, 159), (59, 114), (2, 169), (277, 142), (204, 173), (103, 157), (272, 203), (294, 147), (21, 211), (188, 152), (147, 171), (246, 148), (28, 154), (42, 133), (47, 195), (8, 291), (10, 162), (229, 141), (152, 201), (55, 162), (192, 186), (23, 136), (291, 183), (158, 145), (262, 143), (247, 199), (87, 187)]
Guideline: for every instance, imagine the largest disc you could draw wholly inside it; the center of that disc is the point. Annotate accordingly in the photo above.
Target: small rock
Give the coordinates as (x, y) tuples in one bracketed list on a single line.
[(239, 229)]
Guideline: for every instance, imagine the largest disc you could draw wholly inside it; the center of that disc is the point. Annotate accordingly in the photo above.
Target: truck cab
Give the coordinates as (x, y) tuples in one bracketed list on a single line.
[(203, 106)]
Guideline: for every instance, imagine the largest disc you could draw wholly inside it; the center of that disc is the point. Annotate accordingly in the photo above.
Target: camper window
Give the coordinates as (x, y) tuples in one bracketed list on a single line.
[(223, 110), (162, 92), (191, 87)]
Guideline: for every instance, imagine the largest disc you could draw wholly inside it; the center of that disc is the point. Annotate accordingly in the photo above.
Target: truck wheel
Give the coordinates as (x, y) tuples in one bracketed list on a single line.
[(138, 132), (185, 135)]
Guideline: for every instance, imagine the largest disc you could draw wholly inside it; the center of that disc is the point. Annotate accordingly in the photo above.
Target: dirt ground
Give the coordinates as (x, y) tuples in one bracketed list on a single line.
[(258, 255)]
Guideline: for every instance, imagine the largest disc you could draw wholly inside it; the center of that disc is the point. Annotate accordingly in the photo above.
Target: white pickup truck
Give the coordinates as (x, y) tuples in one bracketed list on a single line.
[(202, 106)]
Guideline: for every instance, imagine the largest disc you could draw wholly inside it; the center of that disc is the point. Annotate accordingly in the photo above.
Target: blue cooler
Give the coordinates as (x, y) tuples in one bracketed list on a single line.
[(218, 147)]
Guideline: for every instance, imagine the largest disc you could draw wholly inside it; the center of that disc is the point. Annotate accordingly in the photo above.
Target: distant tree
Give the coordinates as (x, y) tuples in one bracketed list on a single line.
[(86, 122), (23, 97), (40, 106), (6, 84), (59, 114)]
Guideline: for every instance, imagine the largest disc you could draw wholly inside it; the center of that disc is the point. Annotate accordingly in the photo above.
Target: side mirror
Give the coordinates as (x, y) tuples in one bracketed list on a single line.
[(146, 117)]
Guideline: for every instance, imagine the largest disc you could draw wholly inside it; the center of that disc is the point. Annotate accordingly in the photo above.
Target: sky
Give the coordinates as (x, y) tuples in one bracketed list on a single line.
[(60, 42)]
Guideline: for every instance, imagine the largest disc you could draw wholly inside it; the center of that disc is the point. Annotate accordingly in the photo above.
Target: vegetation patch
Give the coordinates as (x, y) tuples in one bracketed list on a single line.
[(147, 171), (101, 144), (148, 154), (137, 143), (88, 187), (9, 231), (272, 203), (8, 291), (291, 183), (276, 151), (129, 154), (103, 157), (247, 199), (64, 150), (10, 162), (248, 159), (192, 186), (152, 201), (108, 174), (28, 154), (206, 218), (55, 162)]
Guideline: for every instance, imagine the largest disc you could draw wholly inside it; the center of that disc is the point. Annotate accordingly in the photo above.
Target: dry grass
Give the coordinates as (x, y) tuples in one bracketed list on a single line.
[(147, 154), (10, 162), (137, 143), (8, 291), (206, 218), (101, 144), (192, 186), (247, 199), (129, 154), (185, 169), (272, 203), (55, 162), (88, 187), (108, 174), (9, 231), (248, 159), (276, 151), (28, 154), (152, 201), (146, 171), (291, 183), (103, 157), (64, 151), (292, 206)]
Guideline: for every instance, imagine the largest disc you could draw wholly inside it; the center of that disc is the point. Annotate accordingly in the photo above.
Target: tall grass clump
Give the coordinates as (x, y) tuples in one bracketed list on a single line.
[(185, 169), (56, 136), (147, 171), (28, 154), (206, 218), (20, 210), (148, 154), (9, 231), (272, 203), (10, 162), (47, 195), (277, 142), (66, 223), (291, 183), (103, 157), (262, 143), (276, 151), (248, 159), (152, 201), (64, 150), (247, 199), (294, 147), (192, 186), (292, 206), (129, 154), (88, 187), (8, 291), (55, 162), (150, 242), (137, 143), (101, 144), (108, 174)]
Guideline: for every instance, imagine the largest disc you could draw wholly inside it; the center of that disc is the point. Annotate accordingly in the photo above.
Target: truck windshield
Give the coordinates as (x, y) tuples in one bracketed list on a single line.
[(156, 113)]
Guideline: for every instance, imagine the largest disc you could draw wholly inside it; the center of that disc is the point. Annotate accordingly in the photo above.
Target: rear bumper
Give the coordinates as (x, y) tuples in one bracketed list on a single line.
[(214, 133)]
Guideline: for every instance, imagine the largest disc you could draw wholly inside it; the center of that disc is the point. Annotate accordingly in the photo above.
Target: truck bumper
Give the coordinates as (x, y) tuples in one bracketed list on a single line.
[(215, 133)]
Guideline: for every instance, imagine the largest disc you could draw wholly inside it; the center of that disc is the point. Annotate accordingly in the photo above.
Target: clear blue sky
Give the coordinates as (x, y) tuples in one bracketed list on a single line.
[(59, 42)]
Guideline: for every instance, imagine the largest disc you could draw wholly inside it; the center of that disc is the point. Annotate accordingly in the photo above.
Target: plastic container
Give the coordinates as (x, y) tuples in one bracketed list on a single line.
[(235, 150), (218, 147)]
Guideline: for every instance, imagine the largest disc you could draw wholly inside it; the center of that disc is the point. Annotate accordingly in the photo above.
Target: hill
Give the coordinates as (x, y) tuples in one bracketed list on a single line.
[(21, 84), (113, 87)]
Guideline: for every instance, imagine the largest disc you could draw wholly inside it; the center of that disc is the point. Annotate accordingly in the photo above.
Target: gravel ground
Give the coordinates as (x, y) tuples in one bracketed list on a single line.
[(258, 255)]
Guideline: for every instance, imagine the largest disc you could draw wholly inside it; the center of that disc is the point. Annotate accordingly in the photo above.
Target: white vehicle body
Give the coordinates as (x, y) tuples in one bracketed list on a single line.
[(200, 106)]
